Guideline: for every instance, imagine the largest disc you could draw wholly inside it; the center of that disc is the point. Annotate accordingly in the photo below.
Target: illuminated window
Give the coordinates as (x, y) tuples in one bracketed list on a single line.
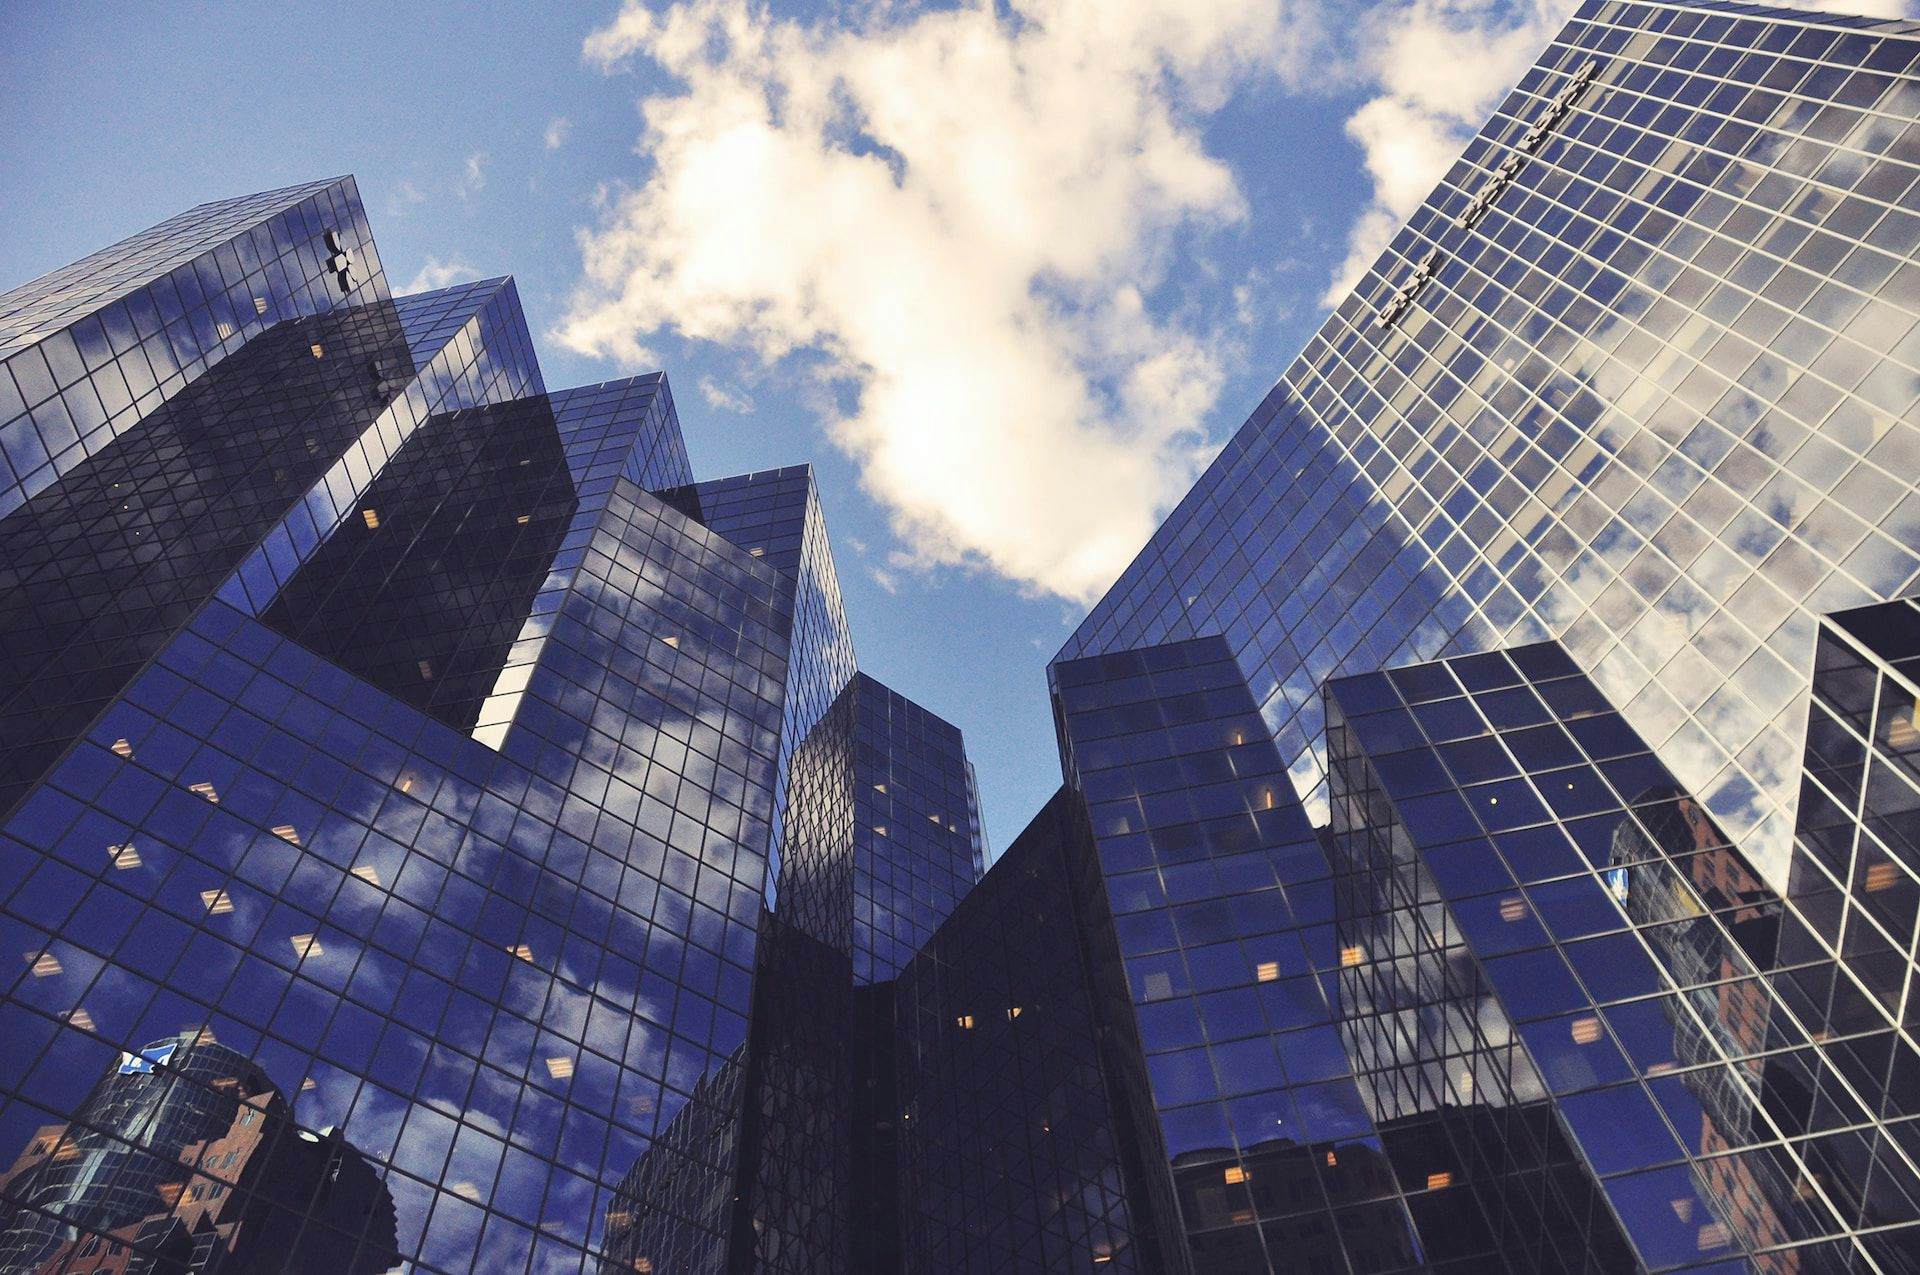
[(1882, 876), (122, 747), (1439, 1181), (306, 1086), (1013, 1012), (522, 951), (259, 305), (672, 640), (287, 833), (880, 788), (965, 1022), (80, 1018), (524, 519), (319, 352), (880, 828), (560, 1068), (124, 856), (1235, 1175), (1586, 1030), (222, 329), (45, 964), (1513, 908), (371, 517), (756, 552), (426, 675), (1333, 1160), (1903, 728), (1352, 955), (367, 873), (1267, 971), (205, 790), (305, 945), (217, 901)]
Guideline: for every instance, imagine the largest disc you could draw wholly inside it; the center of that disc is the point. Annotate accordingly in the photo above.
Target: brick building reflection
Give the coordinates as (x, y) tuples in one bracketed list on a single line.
[(185, 1159)]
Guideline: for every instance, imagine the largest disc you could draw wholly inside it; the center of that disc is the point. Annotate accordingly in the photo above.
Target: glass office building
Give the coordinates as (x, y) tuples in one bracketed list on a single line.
[(439, 831)]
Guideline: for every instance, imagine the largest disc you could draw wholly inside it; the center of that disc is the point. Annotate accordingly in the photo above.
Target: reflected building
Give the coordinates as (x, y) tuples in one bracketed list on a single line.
[(444, 833)]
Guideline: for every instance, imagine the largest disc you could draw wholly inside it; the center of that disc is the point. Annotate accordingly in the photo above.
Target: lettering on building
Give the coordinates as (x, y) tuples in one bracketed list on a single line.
[(1509, 167), (1393, 309)]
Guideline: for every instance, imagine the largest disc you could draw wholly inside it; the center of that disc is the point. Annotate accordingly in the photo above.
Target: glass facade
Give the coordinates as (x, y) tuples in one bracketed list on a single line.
[(1652, 393), (440, 832)]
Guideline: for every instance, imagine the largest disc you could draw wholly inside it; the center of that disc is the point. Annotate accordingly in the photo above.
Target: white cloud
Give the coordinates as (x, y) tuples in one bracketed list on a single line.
[(1435, 71), (557, 129), (718, 395), (439, 274), (404, 196), (473, 175), (966, 217)]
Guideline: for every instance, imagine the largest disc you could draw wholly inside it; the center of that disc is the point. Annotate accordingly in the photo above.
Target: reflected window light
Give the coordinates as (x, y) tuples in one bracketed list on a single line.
[(644, 1265), (964, 1022), (371, 517), (1267, 971), (259, 305), (524, 519), (366, 872), (1236, 1175), (1013, 1012), (223, 329), (1352, 956), (522, 951), (1712, 1236), (560, 1068), (307, 1085), (1513, 908), (1586, 1030), (305, 945), (880, 828), (205, 790), (756, 552), (122, 748), (880, 788), (1333, 1161), (125, 856), (319, 351), (1903, 728), (287, 833), (426, 675), (1881, 876), (45, 964), (1439, 1181), (80, 1018), (218, 902)]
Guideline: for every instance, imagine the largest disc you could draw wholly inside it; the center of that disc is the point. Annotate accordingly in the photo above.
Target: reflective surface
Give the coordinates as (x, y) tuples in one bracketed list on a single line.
[(1658, 401)]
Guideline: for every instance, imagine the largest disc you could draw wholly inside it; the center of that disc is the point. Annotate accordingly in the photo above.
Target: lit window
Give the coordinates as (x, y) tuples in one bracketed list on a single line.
[(367, 873), (1513, 908), (205, 790), (287, 833), (426, 675), (672, 640), (522, 951), (1882, 876), (1439, 1181), (306, 1086), (1267, 971), (880, 788), (1235, 1175), (524, 519), (964, 1022), (218, 902), (1586, 1030), (80, 1018), (880, 828), (1352, 955), (222, 329), (756, 552), (45, 964), (124, 856), (1333, 1160), (560, 1068), (1903, 729), (305, 945), (1013, 1012), (259, 305), (371, 517), (122, 748), (319, 352)]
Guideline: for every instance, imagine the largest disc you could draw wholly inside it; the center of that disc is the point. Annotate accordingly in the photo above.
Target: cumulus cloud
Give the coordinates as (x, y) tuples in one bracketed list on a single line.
[(557, 129), (439, 274), (965, 219), (727, 400), (473, 175)]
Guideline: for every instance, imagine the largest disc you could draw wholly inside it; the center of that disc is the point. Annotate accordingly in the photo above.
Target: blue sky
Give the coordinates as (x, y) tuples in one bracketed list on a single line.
[(1005, 277)]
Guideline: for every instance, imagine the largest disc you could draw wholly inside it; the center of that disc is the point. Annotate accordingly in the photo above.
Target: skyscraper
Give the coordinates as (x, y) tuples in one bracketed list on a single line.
[(442, 832)]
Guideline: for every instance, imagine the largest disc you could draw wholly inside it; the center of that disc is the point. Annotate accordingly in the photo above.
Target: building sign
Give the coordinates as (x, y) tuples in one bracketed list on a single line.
[(1503, 174)]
